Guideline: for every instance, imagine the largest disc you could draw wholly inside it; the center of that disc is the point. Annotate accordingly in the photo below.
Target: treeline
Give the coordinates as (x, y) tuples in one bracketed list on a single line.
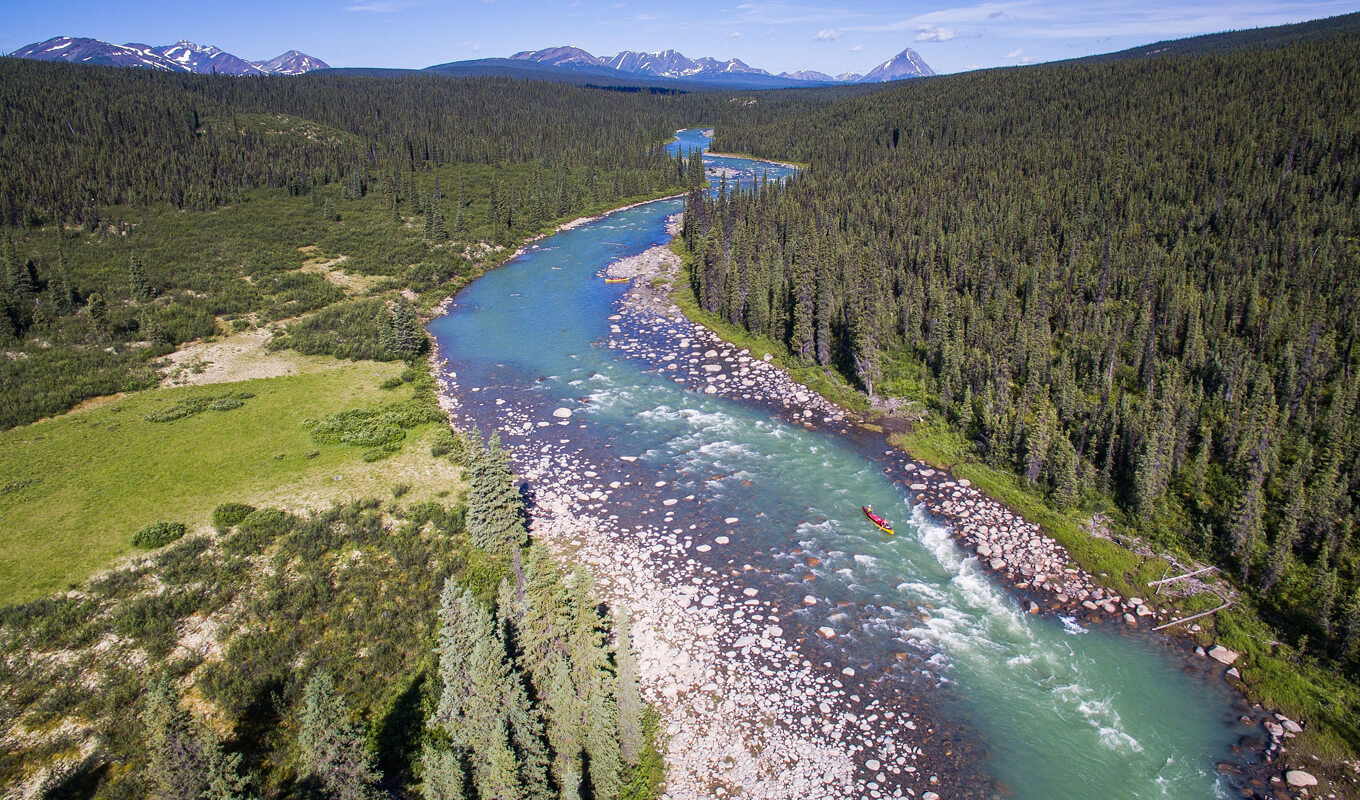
[(77, 139), (1136, 280), (517, 684), (416, 179)]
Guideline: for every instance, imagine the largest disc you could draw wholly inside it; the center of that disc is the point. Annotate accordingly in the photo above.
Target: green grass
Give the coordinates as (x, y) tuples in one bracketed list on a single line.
[(79, 486)]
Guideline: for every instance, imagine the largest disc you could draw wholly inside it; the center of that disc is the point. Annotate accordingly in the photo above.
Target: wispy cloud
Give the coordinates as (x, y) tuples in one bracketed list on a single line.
[(935, 33), (734, 35), (382, 6), (828, 35), (476, 46), (859, 48), (1016, 53), (779, 12)]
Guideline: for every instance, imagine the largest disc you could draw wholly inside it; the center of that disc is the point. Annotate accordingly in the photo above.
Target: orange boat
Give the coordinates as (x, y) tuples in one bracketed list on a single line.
[(882, 523)]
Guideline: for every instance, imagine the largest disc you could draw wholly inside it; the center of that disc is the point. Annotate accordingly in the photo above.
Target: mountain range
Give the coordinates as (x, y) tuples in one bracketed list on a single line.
[(182, 56), (666, 68), (675, 65)]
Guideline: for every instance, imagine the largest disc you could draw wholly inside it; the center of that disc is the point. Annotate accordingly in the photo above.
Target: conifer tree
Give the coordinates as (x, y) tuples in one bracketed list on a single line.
[(402, 335), (442, 773), (141, 287), (495, 515), (177, 766), (331, 744), (99, 314)]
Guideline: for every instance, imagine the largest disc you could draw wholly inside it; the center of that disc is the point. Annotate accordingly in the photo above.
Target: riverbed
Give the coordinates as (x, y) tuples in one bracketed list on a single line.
[(793, 649)]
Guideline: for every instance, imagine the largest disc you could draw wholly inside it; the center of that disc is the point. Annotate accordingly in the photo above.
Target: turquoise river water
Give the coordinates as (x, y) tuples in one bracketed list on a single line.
[(1056, 709)]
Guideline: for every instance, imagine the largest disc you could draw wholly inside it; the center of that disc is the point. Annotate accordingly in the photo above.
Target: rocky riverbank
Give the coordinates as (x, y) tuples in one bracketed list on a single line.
[(1034, 566), (759, 695), (753, 703)]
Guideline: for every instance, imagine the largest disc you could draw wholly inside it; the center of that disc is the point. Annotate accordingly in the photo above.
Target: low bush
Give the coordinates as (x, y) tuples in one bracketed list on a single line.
[(197, 405), (258, 529), (158, 534), (229, 515)]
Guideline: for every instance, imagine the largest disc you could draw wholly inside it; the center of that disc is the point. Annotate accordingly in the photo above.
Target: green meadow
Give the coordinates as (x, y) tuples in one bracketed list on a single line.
[(76, 487)]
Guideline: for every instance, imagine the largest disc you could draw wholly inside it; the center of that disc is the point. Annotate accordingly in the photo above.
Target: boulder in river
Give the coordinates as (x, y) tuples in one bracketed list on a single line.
[(1299, 779)]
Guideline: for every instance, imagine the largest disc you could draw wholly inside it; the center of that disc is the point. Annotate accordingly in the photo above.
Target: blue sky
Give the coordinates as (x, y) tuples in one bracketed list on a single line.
[(776, 35)]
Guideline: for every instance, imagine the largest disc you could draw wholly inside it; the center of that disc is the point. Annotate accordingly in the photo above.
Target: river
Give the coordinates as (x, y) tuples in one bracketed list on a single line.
[(1006, 703)]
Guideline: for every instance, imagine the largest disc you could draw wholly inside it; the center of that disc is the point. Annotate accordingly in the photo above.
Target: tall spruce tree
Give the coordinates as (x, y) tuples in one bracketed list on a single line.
[(495, 514), (331, 743)]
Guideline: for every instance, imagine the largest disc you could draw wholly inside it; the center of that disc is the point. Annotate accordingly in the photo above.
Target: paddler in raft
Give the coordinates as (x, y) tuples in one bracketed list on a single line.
[(880, 522)]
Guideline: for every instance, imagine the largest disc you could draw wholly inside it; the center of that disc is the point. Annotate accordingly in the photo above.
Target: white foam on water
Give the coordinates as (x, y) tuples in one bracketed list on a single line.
[(1071, 626), (1100, 714)]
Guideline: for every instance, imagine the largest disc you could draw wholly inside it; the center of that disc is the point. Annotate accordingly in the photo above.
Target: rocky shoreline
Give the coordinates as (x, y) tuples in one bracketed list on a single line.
[(1032, 565), (745, 710)]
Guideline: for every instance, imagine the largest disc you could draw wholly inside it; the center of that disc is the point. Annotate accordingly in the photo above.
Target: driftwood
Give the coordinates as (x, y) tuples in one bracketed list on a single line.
[(1226, 603)]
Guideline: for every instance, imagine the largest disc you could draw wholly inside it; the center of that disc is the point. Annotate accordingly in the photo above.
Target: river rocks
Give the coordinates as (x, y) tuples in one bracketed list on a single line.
[(1299, 779), (1223, 655), (731, 657)]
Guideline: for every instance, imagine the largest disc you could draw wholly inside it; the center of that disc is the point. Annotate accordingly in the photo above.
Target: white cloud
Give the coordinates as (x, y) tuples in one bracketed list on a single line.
[(935, 33), (381, 6), (828, 34), (1016, 53), (734, 35), (476, 46), (859, 48)]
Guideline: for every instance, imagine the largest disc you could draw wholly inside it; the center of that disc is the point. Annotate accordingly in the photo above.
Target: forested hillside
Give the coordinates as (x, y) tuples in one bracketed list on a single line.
[(1136, 280), (146, 209)]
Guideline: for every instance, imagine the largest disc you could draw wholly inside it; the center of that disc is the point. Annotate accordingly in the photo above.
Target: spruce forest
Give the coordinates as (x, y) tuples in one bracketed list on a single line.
[(1135, 280)]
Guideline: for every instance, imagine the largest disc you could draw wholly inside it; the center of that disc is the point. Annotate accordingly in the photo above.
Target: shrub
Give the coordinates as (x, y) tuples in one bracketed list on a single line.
[(158, 534), (258, 529), (229, 515), (197, 405), (443, 443)]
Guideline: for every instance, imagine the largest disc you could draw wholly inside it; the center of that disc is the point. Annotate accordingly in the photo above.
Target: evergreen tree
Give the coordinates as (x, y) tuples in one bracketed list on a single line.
[(331, 744), (403, 336), (141, 287), (177, 767), (99, 314), (443, 776), (495, 514)]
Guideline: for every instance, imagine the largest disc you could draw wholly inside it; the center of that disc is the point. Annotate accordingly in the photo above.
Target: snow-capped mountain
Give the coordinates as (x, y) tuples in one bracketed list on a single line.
[(673, 64), (810, 75), (292, 62), (208, 59), (560, 57), (93, 51), (906, 64), (183, 56)]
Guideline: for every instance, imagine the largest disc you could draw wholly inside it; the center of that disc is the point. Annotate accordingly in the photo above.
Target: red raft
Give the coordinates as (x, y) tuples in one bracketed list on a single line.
[(882, 523)]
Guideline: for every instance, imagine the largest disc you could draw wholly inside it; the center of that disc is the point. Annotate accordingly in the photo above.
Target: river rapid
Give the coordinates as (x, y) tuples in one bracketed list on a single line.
[(793, 649)]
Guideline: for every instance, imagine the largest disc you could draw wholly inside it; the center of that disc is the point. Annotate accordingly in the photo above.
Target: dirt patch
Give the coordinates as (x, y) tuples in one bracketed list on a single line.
[(240, 357), (354, 285)]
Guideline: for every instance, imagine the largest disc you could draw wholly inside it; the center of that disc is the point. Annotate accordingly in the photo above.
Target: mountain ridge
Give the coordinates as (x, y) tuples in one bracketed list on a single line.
[(182, 56), (676, 65)]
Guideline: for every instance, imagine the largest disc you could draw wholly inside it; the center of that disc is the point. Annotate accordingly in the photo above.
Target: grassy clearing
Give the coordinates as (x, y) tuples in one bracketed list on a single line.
[(78, 486)]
